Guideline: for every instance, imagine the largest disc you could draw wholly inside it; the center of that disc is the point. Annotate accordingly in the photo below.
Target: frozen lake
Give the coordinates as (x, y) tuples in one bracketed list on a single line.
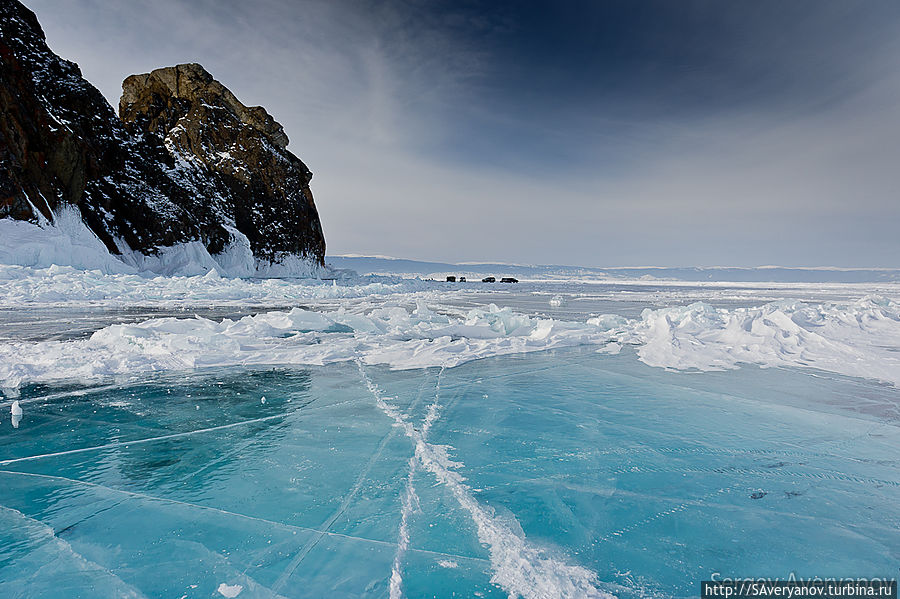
[(422, 443), (574, 462)]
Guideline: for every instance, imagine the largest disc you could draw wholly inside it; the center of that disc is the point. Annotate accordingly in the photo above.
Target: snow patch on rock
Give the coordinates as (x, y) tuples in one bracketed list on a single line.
[(67, 241)]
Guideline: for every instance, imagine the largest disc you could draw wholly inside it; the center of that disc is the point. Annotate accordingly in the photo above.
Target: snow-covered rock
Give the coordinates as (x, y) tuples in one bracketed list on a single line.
[(215, 179)]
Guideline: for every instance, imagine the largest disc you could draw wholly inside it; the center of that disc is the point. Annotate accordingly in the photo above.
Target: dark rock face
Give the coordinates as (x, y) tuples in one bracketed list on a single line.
[(162, 179), (261, 186)]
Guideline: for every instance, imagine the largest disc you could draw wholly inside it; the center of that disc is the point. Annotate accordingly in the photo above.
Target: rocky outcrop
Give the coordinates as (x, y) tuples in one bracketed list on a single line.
[(262, 186), (190, 162)]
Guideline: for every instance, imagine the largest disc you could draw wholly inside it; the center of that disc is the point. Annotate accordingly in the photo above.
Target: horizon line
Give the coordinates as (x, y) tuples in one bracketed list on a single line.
[(644, 267)]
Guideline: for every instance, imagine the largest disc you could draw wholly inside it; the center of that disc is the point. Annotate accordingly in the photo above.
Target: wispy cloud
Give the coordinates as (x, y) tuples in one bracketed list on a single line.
[(599, 134)]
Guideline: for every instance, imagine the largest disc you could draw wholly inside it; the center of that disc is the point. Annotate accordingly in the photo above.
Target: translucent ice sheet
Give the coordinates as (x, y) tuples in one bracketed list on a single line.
[(552, 474)]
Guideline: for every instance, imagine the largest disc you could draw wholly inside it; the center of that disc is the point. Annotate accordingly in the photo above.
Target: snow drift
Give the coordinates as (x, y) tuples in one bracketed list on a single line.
[(67, 241)]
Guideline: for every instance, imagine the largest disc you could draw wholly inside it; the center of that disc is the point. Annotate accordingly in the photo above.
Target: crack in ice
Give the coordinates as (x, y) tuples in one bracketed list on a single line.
[(208, 508), (123, 589), (411, 498), (127, 444), (304, 551), (520, 568), (410, 504)]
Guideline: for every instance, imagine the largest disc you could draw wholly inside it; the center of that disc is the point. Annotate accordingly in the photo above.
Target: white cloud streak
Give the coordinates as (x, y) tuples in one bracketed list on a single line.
[(363, 92)]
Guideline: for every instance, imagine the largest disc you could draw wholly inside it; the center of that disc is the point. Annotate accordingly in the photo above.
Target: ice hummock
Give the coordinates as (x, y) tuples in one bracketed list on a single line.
[(15, 413), (860, 338)]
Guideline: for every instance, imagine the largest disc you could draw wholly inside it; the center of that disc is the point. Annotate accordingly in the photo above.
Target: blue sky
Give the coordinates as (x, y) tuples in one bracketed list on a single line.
[(595, 133)]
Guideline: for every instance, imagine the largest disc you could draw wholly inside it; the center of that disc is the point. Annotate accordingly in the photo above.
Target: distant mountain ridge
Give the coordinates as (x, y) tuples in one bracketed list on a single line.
[(725, 274), (187, 162)]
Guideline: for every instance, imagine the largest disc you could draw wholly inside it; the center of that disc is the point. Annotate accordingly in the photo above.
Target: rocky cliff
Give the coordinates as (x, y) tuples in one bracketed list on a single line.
[(264, 188), (186, 162)]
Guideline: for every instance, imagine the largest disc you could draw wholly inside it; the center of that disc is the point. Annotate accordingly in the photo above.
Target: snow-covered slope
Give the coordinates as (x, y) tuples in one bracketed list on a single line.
[(67, 241)]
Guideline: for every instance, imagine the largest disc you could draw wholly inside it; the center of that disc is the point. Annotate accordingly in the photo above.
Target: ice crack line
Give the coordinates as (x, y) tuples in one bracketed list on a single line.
[(38, 530), (411, 498), (227, 513), (675, 509), (410, 504), (127, 444), (326, 526), (519, 568)]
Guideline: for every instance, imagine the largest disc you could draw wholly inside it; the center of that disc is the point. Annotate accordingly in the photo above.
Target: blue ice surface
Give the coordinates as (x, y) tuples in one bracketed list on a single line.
[(172, 484)]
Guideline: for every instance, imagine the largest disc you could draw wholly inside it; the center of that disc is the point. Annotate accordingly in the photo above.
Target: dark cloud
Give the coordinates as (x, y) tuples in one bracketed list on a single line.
[(615, 132)]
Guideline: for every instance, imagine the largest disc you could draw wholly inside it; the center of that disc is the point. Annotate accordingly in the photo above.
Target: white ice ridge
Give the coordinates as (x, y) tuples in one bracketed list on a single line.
[(391, 335), (66, 286), (860, 339), (519, 568)]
